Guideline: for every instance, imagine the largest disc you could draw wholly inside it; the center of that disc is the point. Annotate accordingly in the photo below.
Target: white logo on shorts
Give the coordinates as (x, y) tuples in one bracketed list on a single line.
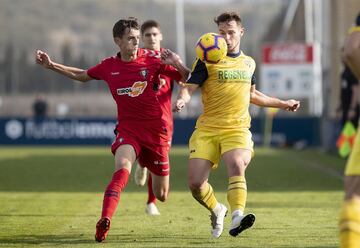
[(160, 163)]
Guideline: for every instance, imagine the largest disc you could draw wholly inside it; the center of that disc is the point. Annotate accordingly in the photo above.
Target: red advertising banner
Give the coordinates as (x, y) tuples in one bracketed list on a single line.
[(288, 53)]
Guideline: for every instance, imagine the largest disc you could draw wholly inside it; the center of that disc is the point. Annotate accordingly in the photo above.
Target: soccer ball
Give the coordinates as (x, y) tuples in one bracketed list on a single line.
[(211, 48)]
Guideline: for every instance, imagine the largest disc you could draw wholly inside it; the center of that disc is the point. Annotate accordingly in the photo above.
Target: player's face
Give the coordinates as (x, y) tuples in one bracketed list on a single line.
[(152, 38), (129, 43), (232, 33)]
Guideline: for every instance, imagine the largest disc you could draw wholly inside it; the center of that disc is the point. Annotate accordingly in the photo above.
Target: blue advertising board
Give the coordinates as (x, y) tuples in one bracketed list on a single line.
[(53, 131), (285, 131), (84, 131)]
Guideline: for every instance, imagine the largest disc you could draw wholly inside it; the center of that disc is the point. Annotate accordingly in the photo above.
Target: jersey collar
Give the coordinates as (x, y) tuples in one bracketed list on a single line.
[(140, 52), (234, 55)]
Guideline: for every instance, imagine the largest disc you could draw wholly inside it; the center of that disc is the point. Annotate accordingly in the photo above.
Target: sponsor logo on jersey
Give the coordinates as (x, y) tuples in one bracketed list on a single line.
[(115, 73), (144, 73), (247, 63), (135, 90), (234, 74), (192, 151)]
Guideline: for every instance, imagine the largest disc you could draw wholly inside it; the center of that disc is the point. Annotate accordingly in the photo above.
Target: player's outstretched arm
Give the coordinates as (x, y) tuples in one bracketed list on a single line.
[(44, 60), (170, 58), (184, 96), (260, 99)]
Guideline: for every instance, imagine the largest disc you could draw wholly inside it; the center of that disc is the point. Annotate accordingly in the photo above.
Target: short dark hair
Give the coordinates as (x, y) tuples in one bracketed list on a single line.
[(121, 26), (228, 17), (149, 24)]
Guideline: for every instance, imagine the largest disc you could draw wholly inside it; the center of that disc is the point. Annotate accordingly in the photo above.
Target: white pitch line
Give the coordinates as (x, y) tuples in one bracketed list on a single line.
[(321, 167)]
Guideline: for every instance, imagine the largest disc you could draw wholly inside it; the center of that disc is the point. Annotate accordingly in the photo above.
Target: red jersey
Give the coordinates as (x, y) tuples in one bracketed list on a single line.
[(134, 84), (164, 96)]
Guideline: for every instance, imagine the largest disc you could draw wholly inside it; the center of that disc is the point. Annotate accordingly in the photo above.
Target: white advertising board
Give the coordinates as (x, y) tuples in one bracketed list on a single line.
[(292, 70)]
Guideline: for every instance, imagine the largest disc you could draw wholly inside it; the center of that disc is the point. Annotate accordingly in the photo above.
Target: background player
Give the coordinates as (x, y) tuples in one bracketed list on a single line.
[(222, 130), (350, 214), (151, 37), (141, 134), (349, 106)]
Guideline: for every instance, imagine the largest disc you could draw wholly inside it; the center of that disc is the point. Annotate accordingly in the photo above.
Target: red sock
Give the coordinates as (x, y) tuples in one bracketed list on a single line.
[(151, 196), (112, 192)]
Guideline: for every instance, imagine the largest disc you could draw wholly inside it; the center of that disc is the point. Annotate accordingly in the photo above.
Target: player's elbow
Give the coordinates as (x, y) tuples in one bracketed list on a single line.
[(82, 77), (83, 80)]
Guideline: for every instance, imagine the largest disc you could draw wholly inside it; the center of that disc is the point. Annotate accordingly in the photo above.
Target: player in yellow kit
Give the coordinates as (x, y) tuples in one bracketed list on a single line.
[(350, 214), (222, 131)]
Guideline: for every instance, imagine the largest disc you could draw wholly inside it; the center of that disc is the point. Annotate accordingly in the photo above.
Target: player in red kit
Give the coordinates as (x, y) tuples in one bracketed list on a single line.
[(151, 37), (132, 77)]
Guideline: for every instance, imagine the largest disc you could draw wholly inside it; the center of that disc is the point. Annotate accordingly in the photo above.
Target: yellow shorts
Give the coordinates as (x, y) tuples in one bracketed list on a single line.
[(353, 164), (210, 144)]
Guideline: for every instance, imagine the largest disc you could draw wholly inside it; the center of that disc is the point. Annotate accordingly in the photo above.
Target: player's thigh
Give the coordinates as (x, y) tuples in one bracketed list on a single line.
[(236, 138), (125, 156), (236, 161), (156, 160), (198, 172), (204, 145)]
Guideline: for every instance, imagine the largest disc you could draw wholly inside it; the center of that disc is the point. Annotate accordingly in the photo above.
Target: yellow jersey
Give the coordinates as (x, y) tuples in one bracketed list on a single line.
[(225, 89)]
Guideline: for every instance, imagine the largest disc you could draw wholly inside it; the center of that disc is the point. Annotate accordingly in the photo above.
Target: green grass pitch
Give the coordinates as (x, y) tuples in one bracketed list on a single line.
[(51, 197)]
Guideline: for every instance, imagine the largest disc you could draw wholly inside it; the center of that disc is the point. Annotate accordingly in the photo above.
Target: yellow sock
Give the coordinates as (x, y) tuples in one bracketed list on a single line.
[(206, 197), (350, 224), (237, 193)]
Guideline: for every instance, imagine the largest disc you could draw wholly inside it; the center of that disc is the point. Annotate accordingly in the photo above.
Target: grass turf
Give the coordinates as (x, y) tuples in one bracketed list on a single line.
[(51, 197)]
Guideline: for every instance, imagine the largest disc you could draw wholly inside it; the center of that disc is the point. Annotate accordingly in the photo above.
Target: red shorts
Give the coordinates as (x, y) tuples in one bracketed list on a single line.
[(150, 141)]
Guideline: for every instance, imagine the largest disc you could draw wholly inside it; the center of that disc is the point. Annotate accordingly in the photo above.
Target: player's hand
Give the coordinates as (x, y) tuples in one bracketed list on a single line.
[(179, 105), (162, 82), (43, 59), (292, 105), (169, 57)]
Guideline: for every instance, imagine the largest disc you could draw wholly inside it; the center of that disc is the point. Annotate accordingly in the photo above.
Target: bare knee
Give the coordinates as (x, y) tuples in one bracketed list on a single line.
[(123, 162), (237, 168), (196, 182), (196, 186), (160, 186), (162, 195), (124, 157), (237, 161)]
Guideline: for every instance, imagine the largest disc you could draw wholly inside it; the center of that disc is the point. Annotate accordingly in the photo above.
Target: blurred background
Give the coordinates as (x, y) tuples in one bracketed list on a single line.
[(296, 44)]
